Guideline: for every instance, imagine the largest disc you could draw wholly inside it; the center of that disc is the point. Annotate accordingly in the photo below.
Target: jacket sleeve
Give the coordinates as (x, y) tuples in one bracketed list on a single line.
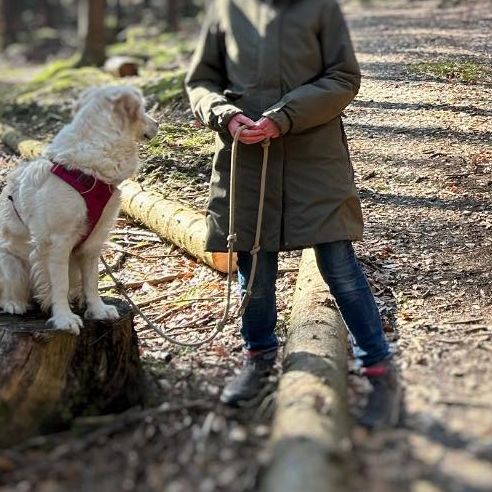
[(207, 77), (319, 101)]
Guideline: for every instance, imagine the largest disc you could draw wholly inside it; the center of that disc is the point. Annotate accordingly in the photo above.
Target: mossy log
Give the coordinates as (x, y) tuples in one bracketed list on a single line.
[(310, 436), (19, 143), (49, 377), (173, 221)]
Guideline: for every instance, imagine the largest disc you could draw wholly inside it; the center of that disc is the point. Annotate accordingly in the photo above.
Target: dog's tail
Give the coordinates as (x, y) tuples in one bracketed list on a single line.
[(14, 284)]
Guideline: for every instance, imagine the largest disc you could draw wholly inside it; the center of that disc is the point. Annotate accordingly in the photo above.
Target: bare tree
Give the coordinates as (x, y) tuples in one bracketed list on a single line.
[(50, 12), (9, 22), (172, 15), (92, 31)]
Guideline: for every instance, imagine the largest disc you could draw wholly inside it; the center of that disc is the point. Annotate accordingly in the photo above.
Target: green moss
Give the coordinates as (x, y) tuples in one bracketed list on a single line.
[(160, 50), (183, 138), (61, 80), (166, 86), (58, 82), (54, 68), (467, 72)]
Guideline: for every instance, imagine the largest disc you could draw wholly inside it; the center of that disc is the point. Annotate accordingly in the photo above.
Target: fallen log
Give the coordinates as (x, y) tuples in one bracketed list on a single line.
[(49, 377), (310, 435), (173, 221), (25, 146)]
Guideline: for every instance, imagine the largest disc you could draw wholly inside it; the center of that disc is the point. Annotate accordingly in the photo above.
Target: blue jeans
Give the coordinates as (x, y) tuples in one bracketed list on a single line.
[(348, 284)]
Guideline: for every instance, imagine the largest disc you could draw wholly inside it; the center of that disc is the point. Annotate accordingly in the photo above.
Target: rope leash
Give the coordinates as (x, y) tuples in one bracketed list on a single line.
[(121, 289), (231, 240)]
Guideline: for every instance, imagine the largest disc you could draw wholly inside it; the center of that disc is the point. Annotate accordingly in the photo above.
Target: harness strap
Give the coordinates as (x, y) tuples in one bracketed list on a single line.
[(96, 194)]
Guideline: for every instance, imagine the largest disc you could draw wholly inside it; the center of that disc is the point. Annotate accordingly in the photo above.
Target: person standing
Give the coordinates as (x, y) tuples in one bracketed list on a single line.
[(286, 69)]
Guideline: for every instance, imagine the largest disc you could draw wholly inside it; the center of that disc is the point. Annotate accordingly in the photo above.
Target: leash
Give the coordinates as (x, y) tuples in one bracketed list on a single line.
[(231, 240), (259, 218), (121, 289)]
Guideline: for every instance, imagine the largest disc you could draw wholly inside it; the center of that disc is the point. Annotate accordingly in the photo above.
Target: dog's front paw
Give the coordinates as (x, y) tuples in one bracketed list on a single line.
[(13, 307), (66, 322), (101, 311)]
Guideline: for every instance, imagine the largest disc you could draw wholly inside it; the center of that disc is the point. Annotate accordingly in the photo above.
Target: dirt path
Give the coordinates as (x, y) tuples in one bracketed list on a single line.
[(422, 152)]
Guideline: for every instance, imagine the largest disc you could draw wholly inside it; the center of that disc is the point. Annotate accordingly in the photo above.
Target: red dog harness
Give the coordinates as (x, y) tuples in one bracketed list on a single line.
[(96, 194)]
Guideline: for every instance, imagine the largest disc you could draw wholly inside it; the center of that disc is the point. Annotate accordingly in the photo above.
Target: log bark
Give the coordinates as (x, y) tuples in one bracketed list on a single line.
[(25, 146), (173, 221), (50, 377), (310, 436), (92, 31)]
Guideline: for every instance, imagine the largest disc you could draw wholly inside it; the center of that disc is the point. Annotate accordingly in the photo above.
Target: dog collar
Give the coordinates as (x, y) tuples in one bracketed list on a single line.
[(96, 194)]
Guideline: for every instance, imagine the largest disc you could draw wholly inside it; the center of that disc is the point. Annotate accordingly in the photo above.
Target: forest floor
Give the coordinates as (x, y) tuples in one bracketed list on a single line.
[(420, 134)]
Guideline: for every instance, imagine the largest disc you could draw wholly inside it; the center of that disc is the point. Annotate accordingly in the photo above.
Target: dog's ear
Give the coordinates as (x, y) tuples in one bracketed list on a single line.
[(128, 105), (82, 100)]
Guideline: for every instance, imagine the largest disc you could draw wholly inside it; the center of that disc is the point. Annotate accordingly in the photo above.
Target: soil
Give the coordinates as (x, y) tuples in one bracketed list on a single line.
[(421, 148)]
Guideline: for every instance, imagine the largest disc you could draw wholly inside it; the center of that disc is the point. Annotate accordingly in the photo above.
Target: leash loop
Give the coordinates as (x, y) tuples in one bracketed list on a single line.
[(231, 240)]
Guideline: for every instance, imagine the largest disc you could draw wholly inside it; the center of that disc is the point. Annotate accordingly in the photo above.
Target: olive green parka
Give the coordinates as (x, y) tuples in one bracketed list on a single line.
[(293, 61)]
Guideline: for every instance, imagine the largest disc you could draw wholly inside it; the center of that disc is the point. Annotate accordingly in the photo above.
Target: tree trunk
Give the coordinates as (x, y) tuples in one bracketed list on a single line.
[(49, 377), (172, 15), (49, 10), (8, 23), (92, 31)]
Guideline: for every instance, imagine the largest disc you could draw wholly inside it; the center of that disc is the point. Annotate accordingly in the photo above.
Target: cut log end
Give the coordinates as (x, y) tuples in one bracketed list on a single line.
[(122, 66), (221, 262), (49, 377)]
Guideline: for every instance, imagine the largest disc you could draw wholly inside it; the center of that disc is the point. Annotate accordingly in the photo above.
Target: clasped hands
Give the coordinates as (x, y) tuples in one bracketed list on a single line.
[(256, 131)]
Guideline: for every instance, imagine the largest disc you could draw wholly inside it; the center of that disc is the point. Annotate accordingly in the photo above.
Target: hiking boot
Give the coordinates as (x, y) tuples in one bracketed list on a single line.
[(252, 378), (384, 401)]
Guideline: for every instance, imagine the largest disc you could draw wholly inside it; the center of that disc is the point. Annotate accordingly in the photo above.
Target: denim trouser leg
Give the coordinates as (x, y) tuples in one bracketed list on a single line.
[(350, 288), (260, 316)]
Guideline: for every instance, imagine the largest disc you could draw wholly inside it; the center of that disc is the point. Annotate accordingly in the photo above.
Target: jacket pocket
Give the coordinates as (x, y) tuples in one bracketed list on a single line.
[(345, 144)]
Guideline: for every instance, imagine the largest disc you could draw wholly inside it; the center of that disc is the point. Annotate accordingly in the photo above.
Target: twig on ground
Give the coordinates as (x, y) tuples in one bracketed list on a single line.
[(463, 321), (138, 283)]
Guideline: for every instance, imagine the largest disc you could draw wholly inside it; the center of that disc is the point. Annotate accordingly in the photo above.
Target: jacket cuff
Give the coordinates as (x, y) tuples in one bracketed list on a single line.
[(223, 113), (280, 117)]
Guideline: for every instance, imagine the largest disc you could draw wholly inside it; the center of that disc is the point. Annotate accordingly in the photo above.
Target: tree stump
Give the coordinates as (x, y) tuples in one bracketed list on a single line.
[(48, 377)]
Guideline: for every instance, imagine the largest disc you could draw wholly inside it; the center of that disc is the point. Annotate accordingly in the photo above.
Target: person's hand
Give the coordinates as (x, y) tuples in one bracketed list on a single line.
[(251, 135), (269, 127)]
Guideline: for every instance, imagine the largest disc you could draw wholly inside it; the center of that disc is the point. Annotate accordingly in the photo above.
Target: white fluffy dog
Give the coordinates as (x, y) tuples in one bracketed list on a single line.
[(48, 249)]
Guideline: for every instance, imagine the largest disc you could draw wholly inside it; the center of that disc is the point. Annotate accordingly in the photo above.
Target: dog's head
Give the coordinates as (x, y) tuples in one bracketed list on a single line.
[(125, 104)]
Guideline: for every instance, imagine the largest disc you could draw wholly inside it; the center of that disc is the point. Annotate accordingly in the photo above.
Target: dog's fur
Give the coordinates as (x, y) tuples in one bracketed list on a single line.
[(37, 255)]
